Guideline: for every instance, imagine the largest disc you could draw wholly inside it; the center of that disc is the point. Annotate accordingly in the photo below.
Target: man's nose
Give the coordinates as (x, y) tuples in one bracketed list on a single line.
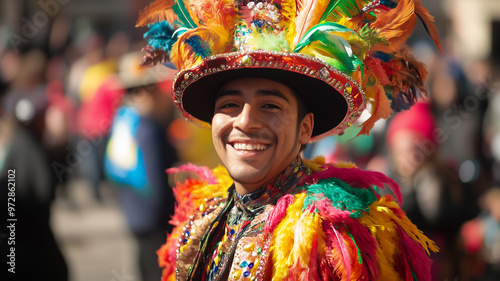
[(247, 119)]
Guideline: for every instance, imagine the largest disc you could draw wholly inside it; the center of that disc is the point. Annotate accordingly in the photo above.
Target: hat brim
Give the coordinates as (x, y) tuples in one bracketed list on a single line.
[(324, 95)]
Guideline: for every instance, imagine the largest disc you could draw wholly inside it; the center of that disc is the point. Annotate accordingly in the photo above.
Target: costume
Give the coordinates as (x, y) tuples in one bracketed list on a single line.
[(315, 221)]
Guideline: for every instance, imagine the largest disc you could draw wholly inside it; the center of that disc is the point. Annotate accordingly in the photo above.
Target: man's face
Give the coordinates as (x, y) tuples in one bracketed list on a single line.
[(255, 130)]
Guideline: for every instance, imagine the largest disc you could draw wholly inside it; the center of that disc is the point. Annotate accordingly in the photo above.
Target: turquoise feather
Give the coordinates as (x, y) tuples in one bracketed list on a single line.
[(161, 36)]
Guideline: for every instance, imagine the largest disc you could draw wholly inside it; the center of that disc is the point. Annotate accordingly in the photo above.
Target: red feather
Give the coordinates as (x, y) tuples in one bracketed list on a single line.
[(419, 262)]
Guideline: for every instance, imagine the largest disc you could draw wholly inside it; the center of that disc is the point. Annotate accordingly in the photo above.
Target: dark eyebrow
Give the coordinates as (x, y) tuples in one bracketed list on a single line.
[(274, 93)]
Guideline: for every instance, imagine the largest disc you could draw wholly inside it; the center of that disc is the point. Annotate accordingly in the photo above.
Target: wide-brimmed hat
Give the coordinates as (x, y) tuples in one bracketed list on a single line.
[(340, 57)]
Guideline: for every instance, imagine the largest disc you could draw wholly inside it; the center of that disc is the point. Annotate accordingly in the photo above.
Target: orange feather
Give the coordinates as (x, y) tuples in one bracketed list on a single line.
[(397, 24), (428, 21), (220, 12), (309, 13), (381, 108), (159, 10)]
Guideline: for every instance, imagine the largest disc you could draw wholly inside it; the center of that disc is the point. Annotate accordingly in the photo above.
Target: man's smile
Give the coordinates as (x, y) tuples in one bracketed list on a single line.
[(249, 146)]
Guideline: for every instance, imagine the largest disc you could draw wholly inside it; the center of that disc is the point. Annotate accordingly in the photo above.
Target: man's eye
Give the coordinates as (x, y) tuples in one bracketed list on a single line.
[(228, 105), (271, 106)]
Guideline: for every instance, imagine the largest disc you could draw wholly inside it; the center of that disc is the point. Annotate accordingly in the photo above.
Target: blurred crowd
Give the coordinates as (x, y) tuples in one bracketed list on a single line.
[(82, 108)]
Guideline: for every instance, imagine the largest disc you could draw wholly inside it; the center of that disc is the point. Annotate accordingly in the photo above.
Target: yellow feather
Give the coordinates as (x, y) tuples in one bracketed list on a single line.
[(215, 36), (283, 238), (305, 229), (315, 163)]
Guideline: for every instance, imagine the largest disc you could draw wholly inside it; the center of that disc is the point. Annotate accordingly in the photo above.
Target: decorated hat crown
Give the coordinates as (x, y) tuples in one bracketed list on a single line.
[(351, 51)]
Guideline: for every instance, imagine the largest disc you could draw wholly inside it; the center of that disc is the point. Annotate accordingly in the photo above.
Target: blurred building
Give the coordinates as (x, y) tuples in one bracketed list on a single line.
[(475, 27)]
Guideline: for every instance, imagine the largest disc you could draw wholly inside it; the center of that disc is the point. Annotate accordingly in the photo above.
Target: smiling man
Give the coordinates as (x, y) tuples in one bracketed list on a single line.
[(268, 77), (257, 131)]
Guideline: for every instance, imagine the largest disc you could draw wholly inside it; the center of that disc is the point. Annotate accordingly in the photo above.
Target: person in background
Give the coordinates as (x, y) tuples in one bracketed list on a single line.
[(37, 251), (435, 198), (137, 155)]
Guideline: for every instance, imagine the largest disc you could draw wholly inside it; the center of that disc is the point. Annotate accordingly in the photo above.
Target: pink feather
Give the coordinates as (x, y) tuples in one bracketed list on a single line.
[(313, 261), (278, 213), (332, 216), (416, 257), (346, 257), (361, 235), (204, 173)]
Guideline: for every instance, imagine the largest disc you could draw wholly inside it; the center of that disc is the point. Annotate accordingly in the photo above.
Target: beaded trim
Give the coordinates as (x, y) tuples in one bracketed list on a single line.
[(207, 209), (294, 62)]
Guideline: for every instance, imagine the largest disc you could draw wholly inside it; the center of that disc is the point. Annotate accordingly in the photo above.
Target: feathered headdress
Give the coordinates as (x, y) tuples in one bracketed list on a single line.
[(338, 55)]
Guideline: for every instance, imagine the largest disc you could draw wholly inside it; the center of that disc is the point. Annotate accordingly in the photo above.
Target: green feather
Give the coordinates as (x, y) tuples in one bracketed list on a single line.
[(183, 15), (337, 48), (360, 259), (340, 8), (322, 27), (342, 196)]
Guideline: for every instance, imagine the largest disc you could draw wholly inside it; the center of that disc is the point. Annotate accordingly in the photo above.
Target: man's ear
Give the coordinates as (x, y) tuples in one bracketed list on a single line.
[(306, 128)]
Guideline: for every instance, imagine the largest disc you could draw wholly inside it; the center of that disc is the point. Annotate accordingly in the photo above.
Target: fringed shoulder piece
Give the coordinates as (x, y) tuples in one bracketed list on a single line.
[(195, 198), (340, 228)]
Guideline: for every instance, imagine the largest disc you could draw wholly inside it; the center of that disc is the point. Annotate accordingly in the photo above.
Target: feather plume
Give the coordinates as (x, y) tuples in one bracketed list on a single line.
[(309, 13), (161, 36), (343, 8), (335, 50), (283, 238), (278, 212), (374, 65), (158, 10), (419, 262), (153, 56), (204, 173), (214, 12), (212, 40), (313, 266), (341, 195), (396, 25), (184, 16), (428, 22), (339, 243), (305, 230), (407, 77), (360, 236), (288, 12), (357, 178), (381, 107), (400, 218)]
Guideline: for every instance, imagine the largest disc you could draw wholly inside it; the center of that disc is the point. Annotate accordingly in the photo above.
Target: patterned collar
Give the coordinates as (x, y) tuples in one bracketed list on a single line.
[(287, 182)]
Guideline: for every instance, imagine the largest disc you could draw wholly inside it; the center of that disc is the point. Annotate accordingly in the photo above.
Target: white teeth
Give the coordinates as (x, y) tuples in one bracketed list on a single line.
[(248, 146)]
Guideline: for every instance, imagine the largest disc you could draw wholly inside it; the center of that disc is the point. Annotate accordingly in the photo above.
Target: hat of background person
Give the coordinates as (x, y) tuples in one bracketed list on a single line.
[(418, 120), (339, 56), (132, 75)]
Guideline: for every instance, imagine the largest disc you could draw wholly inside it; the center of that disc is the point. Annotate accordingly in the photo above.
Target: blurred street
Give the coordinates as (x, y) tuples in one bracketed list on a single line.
[(93, 237)]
